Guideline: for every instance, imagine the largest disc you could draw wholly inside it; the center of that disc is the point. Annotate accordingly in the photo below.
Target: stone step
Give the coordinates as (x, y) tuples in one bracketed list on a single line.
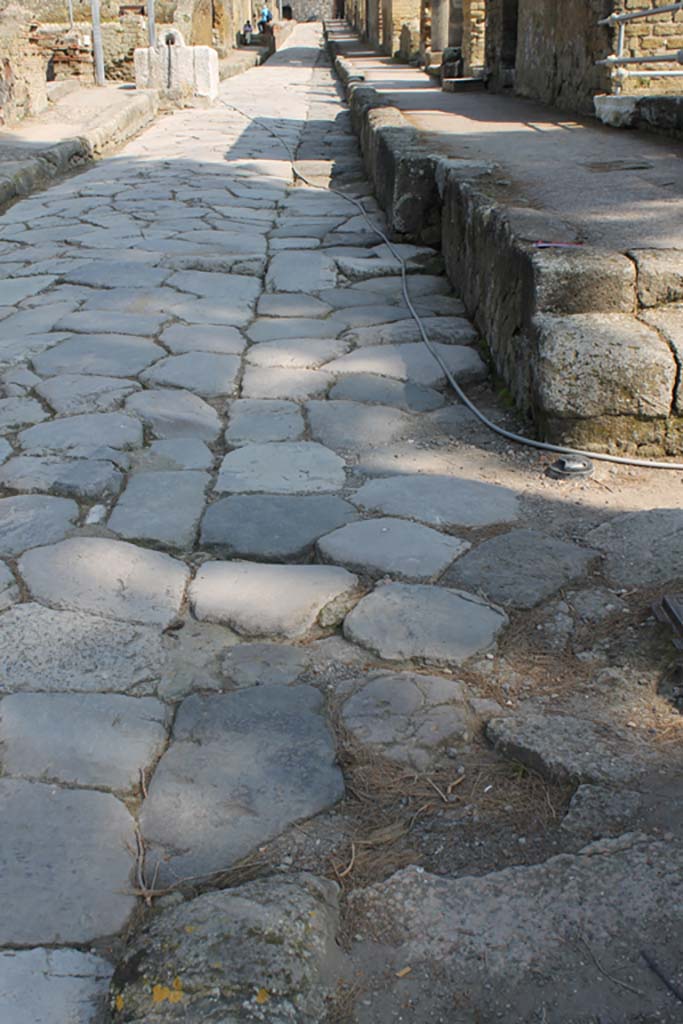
[(466, 84)]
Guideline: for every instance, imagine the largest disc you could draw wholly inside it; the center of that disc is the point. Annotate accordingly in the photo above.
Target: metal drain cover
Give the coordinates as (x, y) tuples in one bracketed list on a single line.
[(570, 467)]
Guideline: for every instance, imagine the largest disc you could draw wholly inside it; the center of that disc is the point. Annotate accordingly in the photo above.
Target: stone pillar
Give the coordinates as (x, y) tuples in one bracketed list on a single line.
[(440, 20)]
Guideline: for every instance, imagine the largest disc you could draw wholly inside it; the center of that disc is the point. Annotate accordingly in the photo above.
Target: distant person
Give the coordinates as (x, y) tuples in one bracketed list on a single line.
[(247, 32), (265, 19)]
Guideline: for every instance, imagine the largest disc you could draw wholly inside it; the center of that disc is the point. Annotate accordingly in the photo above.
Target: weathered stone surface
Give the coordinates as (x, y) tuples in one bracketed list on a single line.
[(520, 568), (102, 740), (391, 547), (52, 986), (115, 429), (70, 478), (171, 414), (163, 507), (175, 453), (439, 500), (264, 664), (287, 468), (412, 362), (668, 320), (265, 329), (596, 811), (272, 527), (280, 382), (113, 355), (660, 275), (342, 425), (208, 374), (73, 393), (367, 387), (450, 330), (46, 831), (27, 521), (293, 304), (269, 943), (46, 650), (22, 412), (112, 321), (306, 353), (234, 295), (410, 718), (117, 273), (641, 549), (281, 601), (307, 272), (181, 338), (106, 577), (9, 591), (258, 421), (400, 621), (241, 767)]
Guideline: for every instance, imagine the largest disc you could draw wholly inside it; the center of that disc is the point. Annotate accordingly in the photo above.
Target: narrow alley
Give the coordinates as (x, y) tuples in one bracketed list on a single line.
[(319, 702)]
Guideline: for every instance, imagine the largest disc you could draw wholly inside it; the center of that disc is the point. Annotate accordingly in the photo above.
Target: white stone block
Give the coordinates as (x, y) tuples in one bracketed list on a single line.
[(206, 79), (617, 111)]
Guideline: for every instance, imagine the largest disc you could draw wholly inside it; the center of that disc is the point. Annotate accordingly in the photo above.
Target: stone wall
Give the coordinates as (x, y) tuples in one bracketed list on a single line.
[(398, 14), (309, 10), (474, 36), (656, 34), (23, 88)]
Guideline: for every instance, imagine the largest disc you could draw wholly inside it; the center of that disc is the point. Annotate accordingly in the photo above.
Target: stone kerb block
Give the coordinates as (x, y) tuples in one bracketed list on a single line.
[(176, 70)]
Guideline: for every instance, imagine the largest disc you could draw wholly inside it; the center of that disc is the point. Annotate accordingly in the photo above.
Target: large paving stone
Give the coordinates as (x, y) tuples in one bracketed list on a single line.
[(73, 393), (242, 767), (181, 338), (412, 362), (280, 601), (102, 740), (367, 387), (265, 329), (106, 577), (22, 412), (27, 521), (439, 500), (173, 413), (64, 864), (162, 507), (297, 305), (208, 374), (280, 382), (400, 621), (114, 429), (56, 651), (70, 478), (53, 986), (410, 718), (236, 292), (286, 468), (450, 330), (260, 664), (271, 943), (175, 453), (641, 549), (520, 568), (272, 527), (115, 274), (257, 421), (306, 353), (418, 285), (342, 425), (91, 321), (391, 547), (113, 355), (307, 272)]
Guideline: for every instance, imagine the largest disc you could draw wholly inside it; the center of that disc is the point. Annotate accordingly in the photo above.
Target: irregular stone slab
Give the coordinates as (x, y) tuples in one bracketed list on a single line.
[(181, 338), (271, 527), (366, 387), (264, 664), (520, 568), (202, 373), (74, 393), (310, 353), (21, 412), (9, 591), (307, 272), (92, 322), (116, 274), (370, 269), (46, 831), (295, 328), (410, 718), (261, 420), (50, 986), (14, 291), (596, 811), (176, 453), (298, 305), (399, 621), (74, 478), (278, 382), (524, 922), (450, 330), (106, 577), (341, 425), (569, 749), (102, 740), (55, 651), (174, 413), (284, 601), (439, 500), (114, 429), (287, 468), (391, 547), (641, 549), (418, 285), (27, 521), (229, 298), (224, 955), (271, 757), (114, 355), (413, 362), (162, 507)]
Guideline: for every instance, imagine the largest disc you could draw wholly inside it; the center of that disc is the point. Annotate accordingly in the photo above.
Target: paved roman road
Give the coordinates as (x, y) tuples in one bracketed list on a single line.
[(232, 478)]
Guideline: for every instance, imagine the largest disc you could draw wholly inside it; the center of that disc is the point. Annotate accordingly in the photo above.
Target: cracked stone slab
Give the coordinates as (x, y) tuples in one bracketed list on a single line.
[(69, 478), (9, 591), (264, 664), (183, 338), (162, 507), (367, 387), (42, 649), (287, 926), (391, 547), (307, 272), (410, 718), (265, 329), (28, 521), (117, 273), (264, 600), (400, 621), (101, 740), (272, 527), (73, 393), (113, 429), (13, 291), (90, 321), (439, 500), (418, 285), (291, 305), (175, 453), (208, 374), (50, 986), (342, 425), (520, 568), (308, 353), (241, 767), (46, 830), (286, 468), (20, 412), (258, 421), (449, 330), (641, 548), (412, 362), (113, 355), (172, 414), (106, 577), (280, 382), (596, 811), (224, 298)]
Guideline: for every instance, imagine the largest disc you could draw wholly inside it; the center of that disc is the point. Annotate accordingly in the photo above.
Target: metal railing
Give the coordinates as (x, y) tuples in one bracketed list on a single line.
[(617, 61)]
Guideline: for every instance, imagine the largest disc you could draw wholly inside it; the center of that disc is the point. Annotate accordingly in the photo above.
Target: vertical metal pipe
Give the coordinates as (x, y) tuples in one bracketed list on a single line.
[(151, 23), (97, 42)]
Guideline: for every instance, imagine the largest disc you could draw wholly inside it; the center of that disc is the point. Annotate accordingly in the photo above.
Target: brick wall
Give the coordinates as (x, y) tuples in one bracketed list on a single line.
[(656, 34), (23, 87), (400, 13)]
